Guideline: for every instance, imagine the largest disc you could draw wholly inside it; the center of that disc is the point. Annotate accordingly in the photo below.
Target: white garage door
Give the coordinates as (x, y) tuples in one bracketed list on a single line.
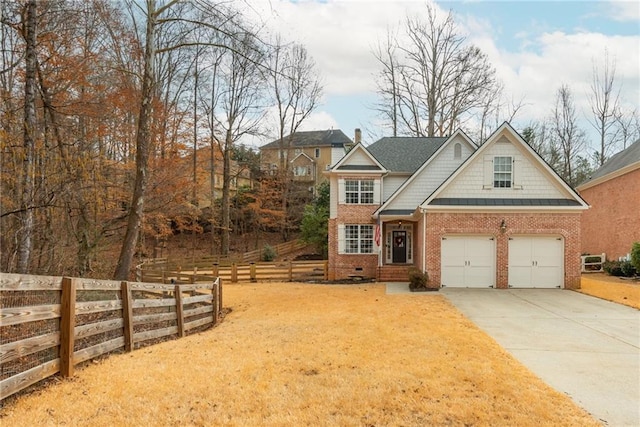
[(536, 262), (468, 261)]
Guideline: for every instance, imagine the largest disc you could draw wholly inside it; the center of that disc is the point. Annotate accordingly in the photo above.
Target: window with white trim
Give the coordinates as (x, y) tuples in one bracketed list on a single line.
[(302, 171), (358, 239), (358, 191), (502, 171)]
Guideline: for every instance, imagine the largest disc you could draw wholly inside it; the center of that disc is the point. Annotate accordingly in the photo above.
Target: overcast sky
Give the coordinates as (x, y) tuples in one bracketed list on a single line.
[(535, 47)]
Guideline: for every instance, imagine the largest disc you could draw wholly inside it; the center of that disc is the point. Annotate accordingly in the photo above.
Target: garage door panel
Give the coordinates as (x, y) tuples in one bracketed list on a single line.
[(467, 261), (481, 276), (536, 262)]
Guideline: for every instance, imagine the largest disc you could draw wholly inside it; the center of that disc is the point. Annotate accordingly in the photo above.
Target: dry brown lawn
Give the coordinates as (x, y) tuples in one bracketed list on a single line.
[(611, 288), (299, 354)]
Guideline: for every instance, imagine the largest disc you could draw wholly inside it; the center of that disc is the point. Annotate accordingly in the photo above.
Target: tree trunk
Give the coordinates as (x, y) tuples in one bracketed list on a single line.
[(136, 211), (25, 236), (226, 184)]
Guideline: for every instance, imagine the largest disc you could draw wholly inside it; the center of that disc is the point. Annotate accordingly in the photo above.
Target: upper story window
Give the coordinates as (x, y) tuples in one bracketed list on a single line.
[(317, 153), (502, 171), (302, 171), (358, 191)]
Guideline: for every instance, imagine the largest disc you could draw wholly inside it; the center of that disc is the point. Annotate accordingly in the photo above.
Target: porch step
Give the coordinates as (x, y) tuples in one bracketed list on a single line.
[(393, 273)]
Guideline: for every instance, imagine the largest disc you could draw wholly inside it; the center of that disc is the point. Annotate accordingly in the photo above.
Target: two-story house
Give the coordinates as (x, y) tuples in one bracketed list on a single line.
[(495, 215), (308, 154)]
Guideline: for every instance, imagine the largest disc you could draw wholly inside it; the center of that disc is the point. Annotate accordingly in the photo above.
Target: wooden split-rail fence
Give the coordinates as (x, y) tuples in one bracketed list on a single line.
[(49, 324), (203, 271)]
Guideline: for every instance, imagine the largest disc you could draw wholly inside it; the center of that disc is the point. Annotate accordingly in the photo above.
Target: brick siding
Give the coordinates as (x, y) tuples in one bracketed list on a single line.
[(565, 225), (341, 266), (613, 222)]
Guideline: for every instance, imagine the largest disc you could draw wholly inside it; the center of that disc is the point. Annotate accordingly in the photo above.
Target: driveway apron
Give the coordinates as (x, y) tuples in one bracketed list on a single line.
[(583, 346)]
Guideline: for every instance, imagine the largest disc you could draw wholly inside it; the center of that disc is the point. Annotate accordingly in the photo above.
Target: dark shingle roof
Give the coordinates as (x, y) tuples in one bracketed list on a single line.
[(458, 201), (314, 138), (404, 154), (618, 161)]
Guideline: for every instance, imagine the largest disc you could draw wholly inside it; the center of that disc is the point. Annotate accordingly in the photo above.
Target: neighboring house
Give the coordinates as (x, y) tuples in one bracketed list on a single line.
[(613, 191), (309, 153), (240, 176), (490, 216)]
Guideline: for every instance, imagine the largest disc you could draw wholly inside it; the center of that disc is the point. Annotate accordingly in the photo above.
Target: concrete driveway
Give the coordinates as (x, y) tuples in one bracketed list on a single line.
[(583, 346)]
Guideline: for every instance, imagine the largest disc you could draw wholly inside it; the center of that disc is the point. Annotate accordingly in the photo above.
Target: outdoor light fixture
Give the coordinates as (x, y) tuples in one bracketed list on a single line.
[(503, 226), (399, 223)]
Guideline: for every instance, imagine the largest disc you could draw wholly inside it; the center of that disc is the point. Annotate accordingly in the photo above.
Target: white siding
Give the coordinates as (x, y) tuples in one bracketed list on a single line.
[(430, 177), (359, 158), (391, 184), (333, 197), (531, 181)]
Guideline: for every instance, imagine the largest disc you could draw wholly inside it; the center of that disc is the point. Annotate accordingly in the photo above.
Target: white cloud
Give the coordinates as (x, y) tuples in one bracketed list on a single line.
[(340, 36), (623, 11)]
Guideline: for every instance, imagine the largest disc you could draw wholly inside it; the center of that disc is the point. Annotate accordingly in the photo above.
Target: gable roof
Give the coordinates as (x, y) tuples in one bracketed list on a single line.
[(574, 201), (405, 154), (314, 138), (620, 163), (303, 155), (384, 209), (344, 165)]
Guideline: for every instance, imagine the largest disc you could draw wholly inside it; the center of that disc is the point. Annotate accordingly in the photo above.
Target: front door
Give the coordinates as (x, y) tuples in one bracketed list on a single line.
[(399, 247)]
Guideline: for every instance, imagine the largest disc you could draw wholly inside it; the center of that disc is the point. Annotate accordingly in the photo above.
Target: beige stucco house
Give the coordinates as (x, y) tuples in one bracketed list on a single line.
[(309, 153)]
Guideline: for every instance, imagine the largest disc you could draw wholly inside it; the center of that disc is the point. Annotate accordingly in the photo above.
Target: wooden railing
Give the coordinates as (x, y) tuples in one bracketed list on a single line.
[(191, 264), (234, 273), (51, 324)]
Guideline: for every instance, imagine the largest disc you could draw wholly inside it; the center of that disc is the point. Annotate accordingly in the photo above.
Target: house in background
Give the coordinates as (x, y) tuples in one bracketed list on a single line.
[(309, 154), (613, 191), (490, 216)]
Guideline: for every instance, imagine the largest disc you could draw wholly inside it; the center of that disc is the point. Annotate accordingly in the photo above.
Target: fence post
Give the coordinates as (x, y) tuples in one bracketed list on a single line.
[(326, 270), (234, 273), (179, 310), (216, 270), (215, 292), (290, 271), (252, 272), (179, 270), (127, 315), (67, 324), (195, 273)]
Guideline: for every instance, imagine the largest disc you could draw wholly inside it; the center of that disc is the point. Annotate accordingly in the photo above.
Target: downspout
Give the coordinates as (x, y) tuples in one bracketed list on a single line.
[(424, 239)]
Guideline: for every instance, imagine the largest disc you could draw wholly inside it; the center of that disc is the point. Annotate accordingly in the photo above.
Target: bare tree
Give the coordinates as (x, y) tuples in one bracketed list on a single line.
[(604, 102), (388, 81), (296, 90), (238, 84), (143, 141), (629, 124), (569, 137), (180, 19), (30, 128), (439, 78)]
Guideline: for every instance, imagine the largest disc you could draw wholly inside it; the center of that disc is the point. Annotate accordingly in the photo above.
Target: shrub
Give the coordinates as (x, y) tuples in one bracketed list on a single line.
[(628, 270), (418, 280), (635, 256), (620, 268), (613, 268), (268, 253)]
